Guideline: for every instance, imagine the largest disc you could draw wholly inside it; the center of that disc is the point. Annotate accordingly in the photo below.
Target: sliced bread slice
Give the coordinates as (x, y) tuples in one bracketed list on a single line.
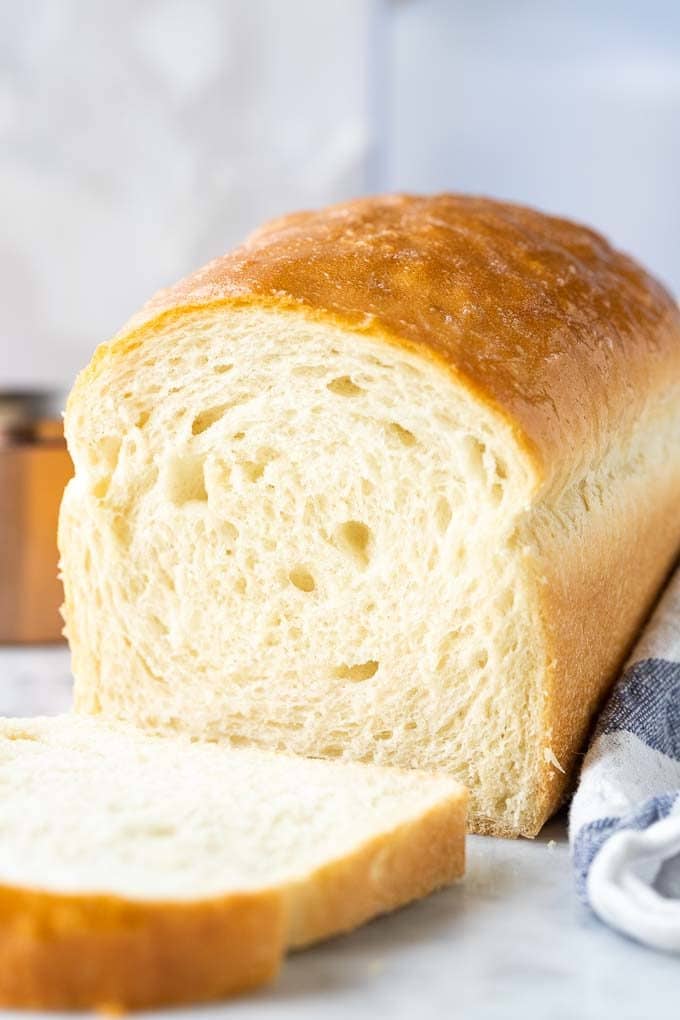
[(137, 871)]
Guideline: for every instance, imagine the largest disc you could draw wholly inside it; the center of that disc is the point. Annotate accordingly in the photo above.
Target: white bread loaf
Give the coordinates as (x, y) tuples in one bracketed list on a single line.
[(394, 482), (137, 871)]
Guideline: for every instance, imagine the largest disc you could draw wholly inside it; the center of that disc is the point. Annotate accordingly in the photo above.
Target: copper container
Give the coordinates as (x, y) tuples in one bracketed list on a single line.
[(34, 468)]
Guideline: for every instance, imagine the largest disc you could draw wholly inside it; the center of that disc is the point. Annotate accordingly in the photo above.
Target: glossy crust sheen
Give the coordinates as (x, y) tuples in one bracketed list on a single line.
[(79, 952), (539, 316)]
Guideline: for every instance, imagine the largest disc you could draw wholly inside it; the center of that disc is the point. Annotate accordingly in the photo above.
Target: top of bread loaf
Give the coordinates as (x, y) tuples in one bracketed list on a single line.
[(541, 318)]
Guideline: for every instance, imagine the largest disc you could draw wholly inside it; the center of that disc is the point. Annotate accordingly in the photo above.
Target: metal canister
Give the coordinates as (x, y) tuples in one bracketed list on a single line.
[(34, 468)]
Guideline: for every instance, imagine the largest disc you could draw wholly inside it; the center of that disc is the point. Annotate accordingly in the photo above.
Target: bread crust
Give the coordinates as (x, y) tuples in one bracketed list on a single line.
[(537, 316), (385, 873), (82, 951), (593, 598)]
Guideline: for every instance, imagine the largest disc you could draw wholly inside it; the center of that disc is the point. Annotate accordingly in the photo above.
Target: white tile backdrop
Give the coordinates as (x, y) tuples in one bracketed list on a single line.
[(571, 105), (142, 137)]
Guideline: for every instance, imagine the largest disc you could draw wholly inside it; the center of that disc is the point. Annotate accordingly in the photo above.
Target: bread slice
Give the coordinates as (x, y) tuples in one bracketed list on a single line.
[(395, 482), (137, 870)]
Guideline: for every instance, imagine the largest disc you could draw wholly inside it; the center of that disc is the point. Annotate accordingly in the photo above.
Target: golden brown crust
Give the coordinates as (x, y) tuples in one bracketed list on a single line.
[(596, 591), (78, 952), (540, 317), (387, 872)]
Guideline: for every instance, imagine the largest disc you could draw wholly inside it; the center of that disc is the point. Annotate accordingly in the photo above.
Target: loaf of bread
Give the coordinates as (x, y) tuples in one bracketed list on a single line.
[(394, 482), (138, 871)]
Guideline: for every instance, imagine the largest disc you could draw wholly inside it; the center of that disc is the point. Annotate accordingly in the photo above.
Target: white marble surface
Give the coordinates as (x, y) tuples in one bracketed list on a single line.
[(34, 679), (510, 941)]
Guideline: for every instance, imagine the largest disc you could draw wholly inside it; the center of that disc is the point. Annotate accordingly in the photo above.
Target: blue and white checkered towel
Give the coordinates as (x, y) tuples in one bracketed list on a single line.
[(624, 824)]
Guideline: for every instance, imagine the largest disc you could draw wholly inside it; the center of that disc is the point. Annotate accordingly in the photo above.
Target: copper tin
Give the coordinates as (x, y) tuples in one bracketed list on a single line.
[(34, 468)]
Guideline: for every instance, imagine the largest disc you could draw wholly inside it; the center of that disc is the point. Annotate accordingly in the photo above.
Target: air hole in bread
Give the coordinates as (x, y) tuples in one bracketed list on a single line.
[(449, 646), (205, 419), (222, 369), (101, 487), (354, 538), (252, 469), (443, 514), (185, 480), (475, 452), (120, 529), (230, 532), (357, 673), (344, 387), (302, 579), (104, 456), (167, 578), (142, 419), (461, 555), (157, 625), (384, 735), (403, 435), (490, 471)]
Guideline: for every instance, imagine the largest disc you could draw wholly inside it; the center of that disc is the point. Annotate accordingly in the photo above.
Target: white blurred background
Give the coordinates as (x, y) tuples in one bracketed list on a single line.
[(139, 138)]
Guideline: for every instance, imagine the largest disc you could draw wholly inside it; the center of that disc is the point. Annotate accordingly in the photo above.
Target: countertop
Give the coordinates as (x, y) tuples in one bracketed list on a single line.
[(510, 941)]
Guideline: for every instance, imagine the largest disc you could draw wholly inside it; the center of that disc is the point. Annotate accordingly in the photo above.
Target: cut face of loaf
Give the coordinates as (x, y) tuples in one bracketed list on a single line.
[(138, 871), (309, 545), (304, 535)]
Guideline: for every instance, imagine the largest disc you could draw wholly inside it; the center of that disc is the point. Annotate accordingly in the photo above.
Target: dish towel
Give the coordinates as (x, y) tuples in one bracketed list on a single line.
[(624, 825)]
